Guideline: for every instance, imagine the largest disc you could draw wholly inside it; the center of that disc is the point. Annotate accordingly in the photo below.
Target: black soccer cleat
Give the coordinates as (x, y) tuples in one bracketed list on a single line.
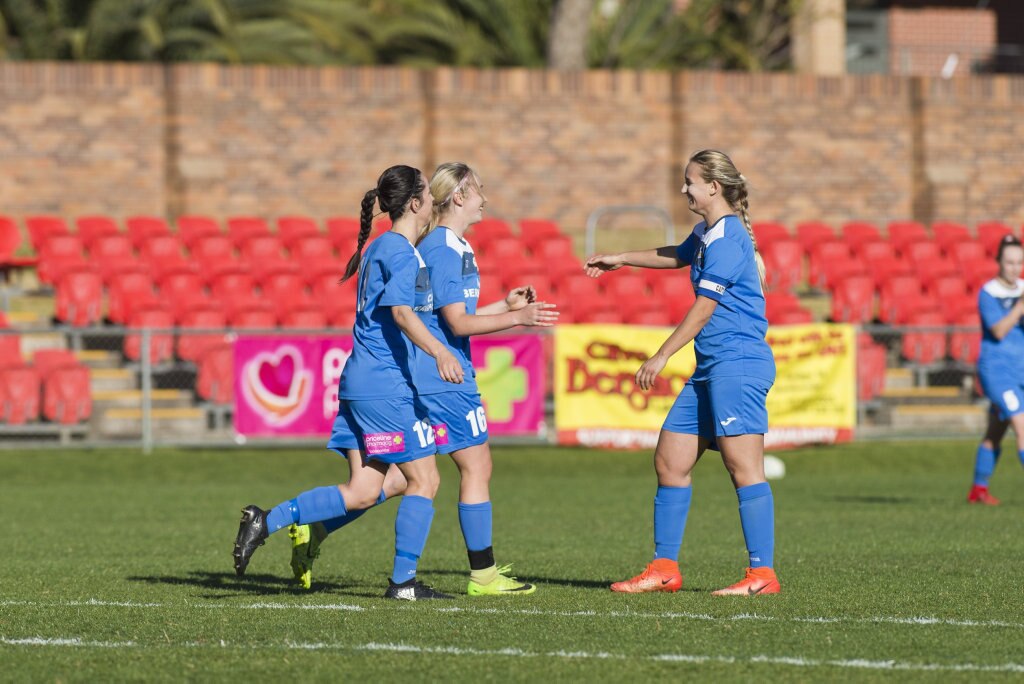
[(252, 533), (413, 590)]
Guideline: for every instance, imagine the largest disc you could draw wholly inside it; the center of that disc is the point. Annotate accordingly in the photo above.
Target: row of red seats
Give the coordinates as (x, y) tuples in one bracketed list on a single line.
[(54, 385), (951, 297)]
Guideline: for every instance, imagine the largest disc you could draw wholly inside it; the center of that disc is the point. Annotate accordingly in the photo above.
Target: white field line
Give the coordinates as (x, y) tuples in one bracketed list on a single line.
[(694, 659), (401, 606)]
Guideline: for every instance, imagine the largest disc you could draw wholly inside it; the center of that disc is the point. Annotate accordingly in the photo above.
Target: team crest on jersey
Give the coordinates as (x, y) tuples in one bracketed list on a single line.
[(469, 264), (698, 258), (424, 296)]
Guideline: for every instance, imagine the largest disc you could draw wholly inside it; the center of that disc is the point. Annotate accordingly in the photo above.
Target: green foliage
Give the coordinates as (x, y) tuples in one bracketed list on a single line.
[(648, 34), (880, 559)]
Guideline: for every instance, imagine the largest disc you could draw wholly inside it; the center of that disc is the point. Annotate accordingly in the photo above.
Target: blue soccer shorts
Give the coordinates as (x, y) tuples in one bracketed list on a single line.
[(458, 419), (386, 430), (723, 407), (1004, 393)]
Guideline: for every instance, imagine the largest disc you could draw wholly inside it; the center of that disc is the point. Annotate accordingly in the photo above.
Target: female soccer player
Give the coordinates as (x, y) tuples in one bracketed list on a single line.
[(457, 413), (723, 404), (1000, 366), (376, 408)]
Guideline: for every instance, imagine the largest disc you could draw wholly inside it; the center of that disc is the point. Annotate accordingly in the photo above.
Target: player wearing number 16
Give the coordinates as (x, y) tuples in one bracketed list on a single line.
[(723, 405), (456, 411)]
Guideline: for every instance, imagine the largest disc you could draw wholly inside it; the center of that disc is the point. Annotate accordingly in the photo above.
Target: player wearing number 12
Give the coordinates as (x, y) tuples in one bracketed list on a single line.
[(456, 412)]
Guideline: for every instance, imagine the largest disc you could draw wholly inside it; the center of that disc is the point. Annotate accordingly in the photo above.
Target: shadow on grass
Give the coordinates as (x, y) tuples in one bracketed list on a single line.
[(263, 585), (874, 499), (540, 580)]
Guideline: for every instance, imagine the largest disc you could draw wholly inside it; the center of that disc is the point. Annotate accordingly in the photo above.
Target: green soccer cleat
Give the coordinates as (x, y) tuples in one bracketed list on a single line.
[(502, 584), (306, 540)]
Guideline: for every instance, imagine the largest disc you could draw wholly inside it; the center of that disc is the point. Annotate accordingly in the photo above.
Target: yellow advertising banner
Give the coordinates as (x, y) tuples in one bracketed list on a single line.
[(598, 403)]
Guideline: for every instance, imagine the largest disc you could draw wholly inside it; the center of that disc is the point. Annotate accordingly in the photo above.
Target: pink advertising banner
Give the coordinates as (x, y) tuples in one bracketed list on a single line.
[(289, 385)]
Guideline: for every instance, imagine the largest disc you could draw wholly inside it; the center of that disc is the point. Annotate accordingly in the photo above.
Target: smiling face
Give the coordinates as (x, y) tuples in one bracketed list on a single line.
[(698, 191), (473, 200), (1010, 263)]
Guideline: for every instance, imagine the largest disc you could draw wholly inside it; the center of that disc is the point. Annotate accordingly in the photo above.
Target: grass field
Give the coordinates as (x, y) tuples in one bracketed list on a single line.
[(118, 566)]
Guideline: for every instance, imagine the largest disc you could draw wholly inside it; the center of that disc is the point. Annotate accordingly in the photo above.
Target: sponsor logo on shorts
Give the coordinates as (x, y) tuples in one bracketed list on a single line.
[(440, 434), (727, 421), (378, 443)]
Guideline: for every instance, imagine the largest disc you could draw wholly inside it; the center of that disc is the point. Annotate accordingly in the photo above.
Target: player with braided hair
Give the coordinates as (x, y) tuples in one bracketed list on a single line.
[(722, 407), (378, 423)]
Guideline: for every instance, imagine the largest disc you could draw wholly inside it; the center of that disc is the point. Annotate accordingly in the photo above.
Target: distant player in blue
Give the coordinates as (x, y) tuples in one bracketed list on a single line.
[(377, 414), (1001, 363), (457, 412), (723, 405)]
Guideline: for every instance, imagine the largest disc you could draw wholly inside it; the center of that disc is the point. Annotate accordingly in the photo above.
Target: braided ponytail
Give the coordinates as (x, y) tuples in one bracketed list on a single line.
[(716, 166), (365, 224)]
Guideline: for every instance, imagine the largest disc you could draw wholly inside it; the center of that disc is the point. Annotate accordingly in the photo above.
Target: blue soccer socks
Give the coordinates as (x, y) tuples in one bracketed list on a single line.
[(671, 506), (757, 517), (984, 465), (412, 526), (335, 524), (322, 503)]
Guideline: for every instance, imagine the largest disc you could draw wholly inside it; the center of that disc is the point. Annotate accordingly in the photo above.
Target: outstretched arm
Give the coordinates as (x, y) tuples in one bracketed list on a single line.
[(463, 324), (662, 257)]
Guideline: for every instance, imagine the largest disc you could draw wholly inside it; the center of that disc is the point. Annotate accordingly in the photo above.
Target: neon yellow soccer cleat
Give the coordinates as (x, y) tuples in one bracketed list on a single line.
[(502, 584), (306, 540)]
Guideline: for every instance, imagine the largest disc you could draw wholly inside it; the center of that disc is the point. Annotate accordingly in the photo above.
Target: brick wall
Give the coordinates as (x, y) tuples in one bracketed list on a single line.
[(921, 40), (120, 139)]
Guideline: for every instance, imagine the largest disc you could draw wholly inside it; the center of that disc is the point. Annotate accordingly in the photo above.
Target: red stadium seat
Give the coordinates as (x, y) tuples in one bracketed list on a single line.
[(492, 228), (784, 264), (10, 350), (251, 318), (262, 248), (46, 360), (236, 282), (904, 233), (313, 247), (870, 252), (192, 229), (67, 398), (19, 395), (923, 254), (343, 233), (965, 344), (777, 302), (823, 255), (989, 235), (342, 319), (853, 300), (860, 231), (506, 253), (945, 288), (59, 253), (126, 292), (768, 232), (142, 228), (794, 317), (161, 343), (10, 239), (841, 270), (675, 294), (947, 233), (596, 316), (243, 228), (625, 289), (870, 371), (162, 252), (963, 252), (291, 228), (895, 294), (533, 231), (925, 346), (179, 283), (283, 286), (215, 379), (41, 228), (192, 346), (311, 319), (928, 271), (381, 225), (106, 247), (79, 297), (213, 250), (979, 272), (811, 233), (92, 227), (649, 317)]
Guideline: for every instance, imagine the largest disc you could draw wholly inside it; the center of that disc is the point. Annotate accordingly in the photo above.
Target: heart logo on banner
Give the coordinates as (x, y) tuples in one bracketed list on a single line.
[(277, 384)]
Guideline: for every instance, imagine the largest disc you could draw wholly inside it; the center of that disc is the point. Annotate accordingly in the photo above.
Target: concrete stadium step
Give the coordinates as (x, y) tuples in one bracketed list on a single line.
[(963, 419), (899, 378), (926, 395), (106, 379), (96, 358), (161, 398), (33, 342), (168, 423)]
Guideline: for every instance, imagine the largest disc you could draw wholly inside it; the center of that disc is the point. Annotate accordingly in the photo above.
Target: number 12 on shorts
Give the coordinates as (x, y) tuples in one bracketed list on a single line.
[(477, 421)]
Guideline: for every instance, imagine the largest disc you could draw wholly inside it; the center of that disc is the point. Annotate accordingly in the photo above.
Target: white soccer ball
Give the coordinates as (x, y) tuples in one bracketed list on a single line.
[(774, 468)]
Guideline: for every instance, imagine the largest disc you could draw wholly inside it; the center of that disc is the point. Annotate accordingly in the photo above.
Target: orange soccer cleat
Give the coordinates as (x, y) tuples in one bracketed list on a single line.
[(661, 574), (757, 582), (979, 494)]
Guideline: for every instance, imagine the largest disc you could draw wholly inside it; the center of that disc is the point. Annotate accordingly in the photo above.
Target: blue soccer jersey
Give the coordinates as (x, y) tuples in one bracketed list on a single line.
[(722, 268), (392, 273), (1000, 359), (454, 277)]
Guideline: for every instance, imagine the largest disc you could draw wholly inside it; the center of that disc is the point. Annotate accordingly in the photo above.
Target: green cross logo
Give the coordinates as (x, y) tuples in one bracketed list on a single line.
[(501, 382)]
